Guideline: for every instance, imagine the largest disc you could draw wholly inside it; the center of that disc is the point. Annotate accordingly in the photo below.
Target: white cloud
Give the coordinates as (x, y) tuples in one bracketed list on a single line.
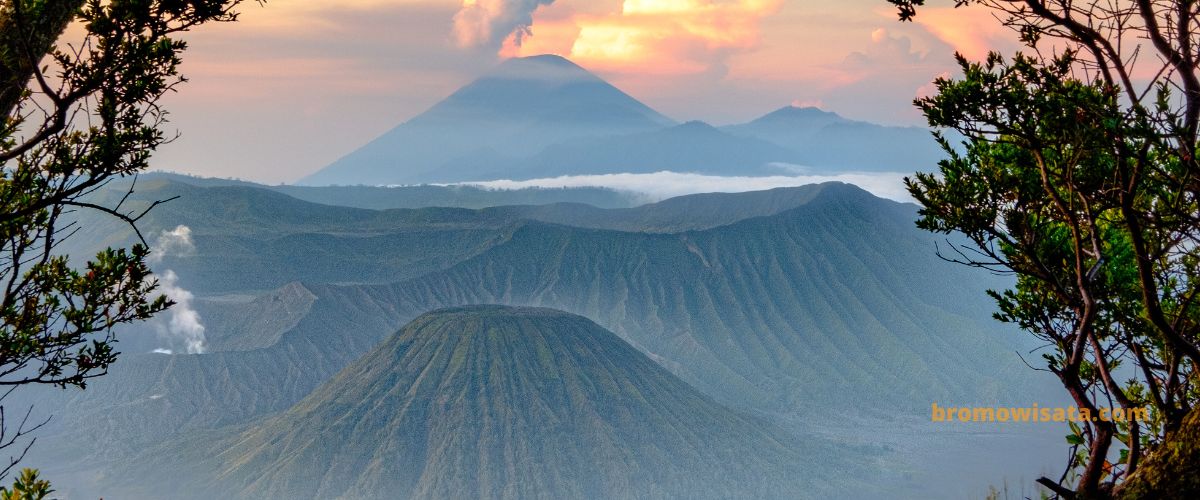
[(666, 184), (487, 23)]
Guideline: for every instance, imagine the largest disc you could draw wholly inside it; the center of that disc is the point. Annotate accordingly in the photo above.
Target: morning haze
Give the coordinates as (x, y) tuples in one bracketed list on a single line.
[(621, 249), (311, 82)]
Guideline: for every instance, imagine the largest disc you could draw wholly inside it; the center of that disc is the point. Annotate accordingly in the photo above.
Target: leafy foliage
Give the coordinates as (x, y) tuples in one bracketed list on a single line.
[(1083, 184), (66, 132), (27, 486)]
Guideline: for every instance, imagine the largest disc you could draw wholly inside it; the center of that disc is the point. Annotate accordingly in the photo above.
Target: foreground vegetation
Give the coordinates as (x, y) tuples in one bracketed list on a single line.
[(1082, 180)]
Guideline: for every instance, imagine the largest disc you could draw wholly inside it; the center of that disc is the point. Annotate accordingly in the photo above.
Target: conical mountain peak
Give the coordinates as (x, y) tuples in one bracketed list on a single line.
[(514, 110), (541, 71), (500, 312), (505, 402), (542, 62), (800, 113)]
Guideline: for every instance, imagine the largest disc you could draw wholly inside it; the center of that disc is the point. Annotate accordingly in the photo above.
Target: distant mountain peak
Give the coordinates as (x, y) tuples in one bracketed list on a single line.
[(798, 112), (695, 126), (513, 111), (541, 68), (492, 311), (543, 59)]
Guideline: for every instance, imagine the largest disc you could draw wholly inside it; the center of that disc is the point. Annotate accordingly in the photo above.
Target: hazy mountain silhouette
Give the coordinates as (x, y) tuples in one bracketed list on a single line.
[(514, 111), (544, 116), (827, 142), (495, 402), (691, 147)]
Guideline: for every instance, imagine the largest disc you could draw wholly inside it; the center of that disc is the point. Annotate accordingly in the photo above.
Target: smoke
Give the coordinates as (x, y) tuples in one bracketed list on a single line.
[(676, 38), (183, 331), (177, 241), (487, 23), (809, 103)]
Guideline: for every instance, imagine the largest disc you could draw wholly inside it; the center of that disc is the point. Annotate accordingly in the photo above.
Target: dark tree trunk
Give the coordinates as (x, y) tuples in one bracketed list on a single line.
[(1172, 469), (27, 32)]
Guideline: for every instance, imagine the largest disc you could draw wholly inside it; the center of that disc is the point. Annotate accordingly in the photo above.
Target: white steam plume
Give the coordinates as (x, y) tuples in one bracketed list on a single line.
[(487, 23), (177, 241), (183, 331)]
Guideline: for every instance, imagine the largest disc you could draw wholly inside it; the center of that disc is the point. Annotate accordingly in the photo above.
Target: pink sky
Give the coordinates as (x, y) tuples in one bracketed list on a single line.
[(296, 84)]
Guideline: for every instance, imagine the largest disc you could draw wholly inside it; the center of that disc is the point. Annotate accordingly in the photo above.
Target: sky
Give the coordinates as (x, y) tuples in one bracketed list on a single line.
[(296, 84)]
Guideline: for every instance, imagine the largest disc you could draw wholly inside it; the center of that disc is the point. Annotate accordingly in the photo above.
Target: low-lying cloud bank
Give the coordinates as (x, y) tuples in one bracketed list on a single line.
[(665, 184)]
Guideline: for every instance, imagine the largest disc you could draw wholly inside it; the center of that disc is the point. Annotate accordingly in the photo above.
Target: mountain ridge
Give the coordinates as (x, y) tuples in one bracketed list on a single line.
[(490, 401), (240, 246), (837, 306), (826, 141), (544, 116)]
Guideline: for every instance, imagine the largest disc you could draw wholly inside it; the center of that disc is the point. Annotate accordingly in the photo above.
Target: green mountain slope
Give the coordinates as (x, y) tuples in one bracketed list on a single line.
[(495, 402), (269, 352), (837, 302), (252, 239), (460, 196), (679, 214), (260, 211), (831, 302), (835, 307)]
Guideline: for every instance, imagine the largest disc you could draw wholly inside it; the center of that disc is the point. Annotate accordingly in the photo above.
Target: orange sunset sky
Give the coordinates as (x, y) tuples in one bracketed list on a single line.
[(295, 84)]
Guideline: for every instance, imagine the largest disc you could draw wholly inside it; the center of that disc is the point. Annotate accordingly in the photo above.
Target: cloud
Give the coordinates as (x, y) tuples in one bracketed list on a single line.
[(663, 37), (970, 30), (930, 89), (177, 242), (334, 73), (183, 332), (661, 185), (488, 23), (884, 50), (887, 73)]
